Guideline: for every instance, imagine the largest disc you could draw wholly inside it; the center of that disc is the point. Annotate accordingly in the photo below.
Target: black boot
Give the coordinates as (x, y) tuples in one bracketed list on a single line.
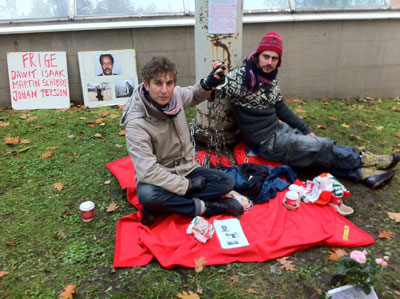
[(228, 206), (373, 178), (148, 217)]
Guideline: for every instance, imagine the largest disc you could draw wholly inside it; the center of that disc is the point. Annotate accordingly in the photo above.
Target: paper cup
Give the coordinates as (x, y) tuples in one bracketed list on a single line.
[(291, 200), (87, 210)]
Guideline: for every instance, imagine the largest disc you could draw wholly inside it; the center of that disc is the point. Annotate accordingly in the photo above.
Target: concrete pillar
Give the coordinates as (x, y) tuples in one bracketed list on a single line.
[(218, 36)]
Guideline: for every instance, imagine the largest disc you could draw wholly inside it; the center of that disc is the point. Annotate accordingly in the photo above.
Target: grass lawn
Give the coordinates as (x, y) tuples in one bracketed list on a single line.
[(45, 246)]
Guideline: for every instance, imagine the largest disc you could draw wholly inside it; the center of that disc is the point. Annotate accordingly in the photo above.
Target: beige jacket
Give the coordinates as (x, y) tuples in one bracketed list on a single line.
[(161, 150)]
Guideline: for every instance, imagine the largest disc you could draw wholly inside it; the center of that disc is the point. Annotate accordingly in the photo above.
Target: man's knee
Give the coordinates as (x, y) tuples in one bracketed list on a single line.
[(227, 182), (148, 194)]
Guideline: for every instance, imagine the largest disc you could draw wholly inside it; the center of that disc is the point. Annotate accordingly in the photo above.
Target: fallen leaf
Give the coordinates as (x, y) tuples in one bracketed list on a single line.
[(379, 128), (3, 273), (286, 264), (319, 126), (398, 134), (186, 295), (13, 244), (199, 289), (199, 264), (355, 137), (103, 114), (336, 254), (4, 124), (299, 110), (395, 109), (107, 182), (385, 234), (319, 291), (30, 118), (252, 291), (394, 216), (288, 267), (62, 110), (295, 101), (368, 126), (58, 186), (122, 133), (369, 98), (46, 155), (12, 140), (113, 116), (25, 141), (234, 278), (54, 147), (112, 207), (333, 118), (68, 291), (98, 135), (121, 107), (112, 268), (21, 150), (345, 126), (99, 120), (38, 127)]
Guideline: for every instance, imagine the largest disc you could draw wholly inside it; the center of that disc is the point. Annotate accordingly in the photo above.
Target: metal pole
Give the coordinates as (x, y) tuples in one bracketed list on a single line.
[(218, 36)]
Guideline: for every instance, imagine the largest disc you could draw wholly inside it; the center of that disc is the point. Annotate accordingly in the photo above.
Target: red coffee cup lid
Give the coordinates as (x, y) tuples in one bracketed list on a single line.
[(86, 206)]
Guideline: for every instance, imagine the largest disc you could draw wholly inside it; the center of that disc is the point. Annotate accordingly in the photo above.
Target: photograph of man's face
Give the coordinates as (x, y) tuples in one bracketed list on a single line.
[(107, 63)]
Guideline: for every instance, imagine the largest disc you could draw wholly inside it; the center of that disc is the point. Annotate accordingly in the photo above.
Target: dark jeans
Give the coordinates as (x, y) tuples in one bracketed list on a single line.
[(291, 147), (161, 201)]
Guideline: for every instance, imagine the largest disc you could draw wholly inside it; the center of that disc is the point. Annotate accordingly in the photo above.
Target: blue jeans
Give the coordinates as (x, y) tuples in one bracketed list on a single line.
[(161, 201), (291, 147)]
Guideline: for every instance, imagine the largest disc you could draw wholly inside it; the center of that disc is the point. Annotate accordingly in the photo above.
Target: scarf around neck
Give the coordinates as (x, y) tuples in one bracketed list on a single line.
[(254, 75), (168, 111)]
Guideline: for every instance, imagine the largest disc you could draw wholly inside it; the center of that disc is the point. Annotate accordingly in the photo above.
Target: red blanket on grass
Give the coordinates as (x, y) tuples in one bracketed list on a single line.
[(271, 230)]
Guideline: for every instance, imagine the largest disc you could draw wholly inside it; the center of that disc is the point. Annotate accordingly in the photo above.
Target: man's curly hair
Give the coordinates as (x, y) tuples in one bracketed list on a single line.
[(158, 66)]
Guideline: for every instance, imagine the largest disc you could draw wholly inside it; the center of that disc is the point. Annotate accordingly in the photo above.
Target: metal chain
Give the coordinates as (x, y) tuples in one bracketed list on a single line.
[(216, 136)]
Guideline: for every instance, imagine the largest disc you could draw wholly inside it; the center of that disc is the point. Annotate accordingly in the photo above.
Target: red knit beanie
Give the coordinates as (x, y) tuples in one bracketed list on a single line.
[(272, 42)]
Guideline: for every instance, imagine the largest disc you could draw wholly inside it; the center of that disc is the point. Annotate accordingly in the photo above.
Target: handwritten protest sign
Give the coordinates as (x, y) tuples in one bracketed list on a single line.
[(38, 80)]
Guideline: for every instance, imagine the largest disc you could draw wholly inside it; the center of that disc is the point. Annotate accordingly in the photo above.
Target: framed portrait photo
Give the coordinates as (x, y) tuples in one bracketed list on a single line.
[(108, 77)]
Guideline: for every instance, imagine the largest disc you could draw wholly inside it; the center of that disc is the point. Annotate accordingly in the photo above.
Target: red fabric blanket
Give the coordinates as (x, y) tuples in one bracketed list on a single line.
[(271, 230)]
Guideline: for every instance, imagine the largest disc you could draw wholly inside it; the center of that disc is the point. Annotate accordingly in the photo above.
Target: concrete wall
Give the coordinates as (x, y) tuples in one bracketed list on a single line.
[(320, 58)]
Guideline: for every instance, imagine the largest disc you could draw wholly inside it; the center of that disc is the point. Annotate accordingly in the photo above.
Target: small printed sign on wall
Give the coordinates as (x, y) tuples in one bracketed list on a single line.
[(107, 77), (38, 80)]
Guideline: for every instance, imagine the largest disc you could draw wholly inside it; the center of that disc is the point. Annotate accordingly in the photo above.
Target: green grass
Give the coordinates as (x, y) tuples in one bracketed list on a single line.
[(45, 245)]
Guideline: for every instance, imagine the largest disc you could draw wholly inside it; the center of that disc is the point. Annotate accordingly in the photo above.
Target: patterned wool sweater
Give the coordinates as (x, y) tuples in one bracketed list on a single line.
[(258, 113)]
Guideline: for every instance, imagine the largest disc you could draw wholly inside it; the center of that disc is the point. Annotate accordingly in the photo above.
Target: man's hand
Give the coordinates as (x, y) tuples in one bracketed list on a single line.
[(311, 134), (196, 184), (215, 78)]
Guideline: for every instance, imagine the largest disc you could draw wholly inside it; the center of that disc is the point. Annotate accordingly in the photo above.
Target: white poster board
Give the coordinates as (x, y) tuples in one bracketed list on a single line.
[(38, 80), (107, 77)]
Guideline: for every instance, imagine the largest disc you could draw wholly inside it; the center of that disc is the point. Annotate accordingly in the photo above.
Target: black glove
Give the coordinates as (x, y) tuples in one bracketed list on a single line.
[(196, 184), (210, 82)]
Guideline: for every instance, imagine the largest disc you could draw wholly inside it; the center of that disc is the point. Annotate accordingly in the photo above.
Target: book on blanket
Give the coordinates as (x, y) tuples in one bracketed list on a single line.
[(230, 233)]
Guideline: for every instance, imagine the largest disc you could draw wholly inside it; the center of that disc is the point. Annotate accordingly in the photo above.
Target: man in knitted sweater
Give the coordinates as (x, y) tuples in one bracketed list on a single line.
[(271, 129)]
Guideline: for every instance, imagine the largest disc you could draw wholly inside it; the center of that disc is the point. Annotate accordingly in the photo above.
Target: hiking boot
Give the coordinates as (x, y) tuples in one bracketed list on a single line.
[(148, 218), (383, 162), (228, 206), (374, 178)]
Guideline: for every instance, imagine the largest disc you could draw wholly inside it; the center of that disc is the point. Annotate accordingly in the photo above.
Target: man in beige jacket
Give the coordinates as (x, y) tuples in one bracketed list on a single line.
[(158, 141)]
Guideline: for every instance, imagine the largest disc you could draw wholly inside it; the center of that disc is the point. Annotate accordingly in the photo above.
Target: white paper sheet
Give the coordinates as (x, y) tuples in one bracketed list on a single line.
[(230, 233)]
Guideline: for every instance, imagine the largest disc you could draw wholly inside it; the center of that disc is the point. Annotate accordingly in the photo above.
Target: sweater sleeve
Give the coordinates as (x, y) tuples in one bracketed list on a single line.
[(288, 116)]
